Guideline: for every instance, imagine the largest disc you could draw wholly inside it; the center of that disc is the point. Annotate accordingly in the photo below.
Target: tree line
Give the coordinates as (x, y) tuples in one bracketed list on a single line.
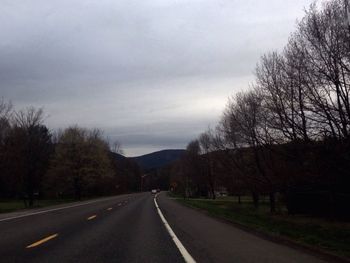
[(289, 132), (71, 163)]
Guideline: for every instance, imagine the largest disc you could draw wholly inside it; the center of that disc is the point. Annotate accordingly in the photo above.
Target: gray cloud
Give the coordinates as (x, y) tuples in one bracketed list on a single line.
[(152, 74)]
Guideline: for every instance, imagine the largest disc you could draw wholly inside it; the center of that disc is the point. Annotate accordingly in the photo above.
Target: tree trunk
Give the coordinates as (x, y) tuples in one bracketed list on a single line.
[(31, 200), (272, 202), (77, 188), (30, 191), (255, 199)]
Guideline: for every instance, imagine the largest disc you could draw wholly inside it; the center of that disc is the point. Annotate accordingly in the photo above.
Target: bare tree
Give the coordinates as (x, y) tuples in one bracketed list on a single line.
[(29, 143), (324, 39), (280, 132), (29, 117), (207, 147), (6, 110), (116, 147)]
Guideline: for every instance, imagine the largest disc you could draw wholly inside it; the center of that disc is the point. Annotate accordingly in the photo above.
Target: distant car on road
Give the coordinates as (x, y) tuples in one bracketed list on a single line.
[(154, 191)]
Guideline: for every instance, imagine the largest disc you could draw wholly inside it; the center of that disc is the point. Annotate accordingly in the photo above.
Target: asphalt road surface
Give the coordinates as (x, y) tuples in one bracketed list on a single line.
[(128, 228)]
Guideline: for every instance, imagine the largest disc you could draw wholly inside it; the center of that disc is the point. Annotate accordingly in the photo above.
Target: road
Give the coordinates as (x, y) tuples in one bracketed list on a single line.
[(128, 228)]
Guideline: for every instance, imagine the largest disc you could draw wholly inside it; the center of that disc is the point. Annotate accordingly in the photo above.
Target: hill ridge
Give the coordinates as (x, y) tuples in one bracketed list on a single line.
[(158, 159)]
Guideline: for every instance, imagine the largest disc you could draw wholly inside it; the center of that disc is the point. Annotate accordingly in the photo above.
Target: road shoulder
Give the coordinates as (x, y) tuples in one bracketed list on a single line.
[(211, 240)]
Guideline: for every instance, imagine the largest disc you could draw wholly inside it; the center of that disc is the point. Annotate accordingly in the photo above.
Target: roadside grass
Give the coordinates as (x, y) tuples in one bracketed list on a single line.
[(329, 236), (7, 206)]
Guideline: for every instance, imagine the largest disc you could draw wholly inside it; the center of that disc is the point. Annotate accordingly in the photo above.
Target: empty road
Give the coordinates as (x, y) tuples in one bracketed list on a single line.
[(128, 228)]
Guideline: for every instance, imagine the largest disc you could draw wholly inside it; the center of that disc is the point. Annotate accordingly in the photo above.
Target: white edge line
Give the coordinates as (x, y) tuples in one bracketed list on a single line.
[(187, 257), (54, 209)]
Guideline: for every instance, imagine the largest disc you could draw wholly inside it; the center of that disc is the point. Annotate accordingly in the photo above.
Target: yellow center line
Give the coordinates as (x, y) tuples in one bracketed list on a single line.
[(42, 241), (91, 217), (109, 209)]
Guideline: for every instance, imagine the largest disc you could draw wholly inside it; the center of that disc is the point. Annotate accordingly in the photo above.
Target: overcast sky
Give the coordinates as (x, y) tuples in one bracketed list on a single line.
[(152, 74)]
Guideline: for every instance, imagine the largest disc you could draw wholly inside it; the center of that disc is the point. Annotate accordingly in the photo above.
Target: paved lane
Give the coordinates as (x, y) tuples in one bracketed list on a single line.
[(128, 228), (121, 229), (211, 240)]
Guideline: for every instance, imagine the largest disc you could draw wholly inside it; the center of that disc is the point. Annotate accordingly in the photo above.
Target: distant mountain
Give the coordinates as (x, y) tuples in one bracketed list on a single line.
[(158, 159), (118, 156)]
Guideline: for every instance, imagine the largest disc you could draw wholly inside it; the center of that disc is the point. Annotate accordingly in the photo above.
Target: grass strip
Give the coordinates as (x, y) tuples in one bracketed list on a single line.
[(7, 206)]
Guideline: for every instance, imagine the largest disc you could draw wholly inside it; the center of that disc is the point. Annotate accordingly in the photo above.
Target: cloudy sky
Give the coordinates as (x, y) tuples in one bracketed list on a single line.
[(152, 74)]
